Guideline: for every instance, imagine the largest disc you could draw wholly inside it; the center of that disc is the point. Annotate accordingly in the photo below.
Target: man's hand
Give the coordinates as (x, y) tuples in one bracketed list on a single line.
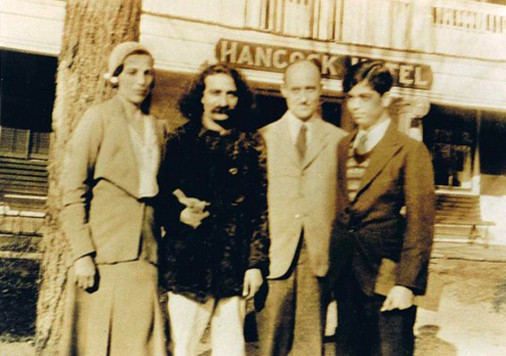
[(195, 204), (193, 217), (194, 212), (252, 282), (399, 297), (85, 270)]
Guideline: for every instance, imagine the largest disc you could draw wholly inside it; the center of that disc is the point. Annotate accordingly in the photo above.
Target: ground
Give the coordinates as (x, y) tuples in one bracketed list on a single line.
[(18, 296), (470, 320)]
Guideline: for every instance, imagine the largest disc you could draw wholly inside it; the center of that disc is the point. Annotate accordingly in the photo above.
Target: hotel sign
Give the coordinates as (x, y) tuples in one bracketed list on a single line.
[(276, 59)]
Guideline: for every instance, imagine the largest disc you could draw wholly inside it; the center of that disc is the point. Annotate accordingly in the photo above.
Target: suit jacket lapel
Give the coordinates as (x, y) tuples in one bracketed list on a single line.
[(381, 154), (317, 143), (284, 141), (130, 183), (342, 160)]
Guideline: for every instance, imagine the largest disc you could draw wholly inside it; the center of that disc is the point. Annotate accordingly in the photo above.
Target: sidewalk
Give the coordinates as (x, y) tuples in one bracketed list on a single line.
[(471, 315), (16, 349), (470, 321)]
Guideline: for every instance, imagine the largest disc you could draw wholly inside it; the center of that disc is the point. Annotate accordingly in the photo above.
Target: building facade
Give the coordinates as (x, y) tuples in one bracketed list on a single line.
[(448, 55)]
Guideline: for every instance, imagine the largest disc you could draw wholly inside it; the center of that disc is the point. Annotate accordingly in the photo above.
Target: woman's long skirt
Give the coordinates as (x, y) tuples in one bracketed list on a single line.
[(122, 317)]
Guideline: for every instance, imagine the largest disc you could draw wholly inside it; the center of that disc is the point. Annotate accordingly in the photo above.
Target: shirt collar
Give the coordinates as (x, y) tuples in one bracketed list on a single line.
[(294, 125), (374, 134)]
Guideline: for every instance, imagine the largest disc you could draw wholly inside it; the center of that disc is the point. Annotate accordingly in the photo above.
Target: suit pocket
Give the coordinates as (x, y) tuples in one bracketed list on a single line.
[(385, 280)]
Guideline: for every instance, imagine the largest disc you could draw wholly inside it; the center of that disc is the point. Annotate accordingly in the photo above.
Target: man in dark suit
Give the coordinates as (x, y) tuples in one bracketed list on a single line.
[(384, 223)]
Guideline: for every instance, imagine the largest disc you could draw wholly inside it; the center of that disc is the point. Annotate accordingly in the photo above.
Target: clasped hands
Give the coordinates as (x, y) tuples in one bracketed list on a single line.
[(194, 211), (192, 215)]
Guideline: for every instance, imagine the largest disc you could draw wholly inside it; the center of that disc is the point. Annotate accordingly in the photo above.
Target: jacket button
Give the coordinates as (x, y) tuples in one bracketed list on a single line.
[(233, 171)]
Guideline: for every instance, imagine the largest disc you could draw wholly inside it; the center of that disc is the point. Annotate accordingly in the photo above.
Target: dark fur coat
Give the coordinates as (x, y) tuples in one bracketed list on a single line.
[(229, 172)]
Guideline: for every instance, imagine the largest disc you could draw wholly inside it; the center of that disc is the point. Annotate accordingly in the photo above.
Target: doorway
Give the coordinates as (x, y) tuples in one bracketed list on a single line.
[(271, 106)]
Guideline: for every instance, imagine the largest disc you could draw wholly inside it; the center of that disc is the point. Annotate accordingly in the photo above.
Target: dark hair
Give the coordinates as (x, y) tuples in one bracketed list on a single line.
[(190, 104), (146, 103), (375, 73)]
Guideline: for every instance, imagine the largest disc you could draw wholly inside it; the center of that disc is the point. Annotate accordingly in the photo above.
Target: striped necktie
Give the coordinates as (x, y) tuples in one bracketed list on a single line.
[(361, 146)]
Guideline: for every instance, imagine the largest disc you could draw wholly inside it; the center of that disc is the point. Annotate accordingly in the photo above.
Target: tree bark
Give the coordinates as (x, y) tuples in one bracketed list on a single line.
[(92, 28)]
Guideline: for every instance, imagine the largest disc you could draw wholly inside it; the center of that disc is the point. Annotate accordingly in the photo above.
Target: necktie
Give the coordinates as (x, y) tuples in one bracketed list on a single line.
[(301, 143), (361, 148)]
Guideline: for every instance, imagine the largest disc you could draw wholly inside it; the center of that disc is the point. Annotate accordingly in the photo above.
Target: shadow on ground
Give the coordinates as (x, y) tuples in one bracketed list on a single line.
[(429, 344)]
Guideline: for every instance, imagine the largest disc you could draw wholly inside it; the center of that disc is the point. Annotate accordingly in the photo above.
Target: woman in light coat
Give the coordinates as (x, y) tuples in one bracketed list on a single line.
[(109, 187)]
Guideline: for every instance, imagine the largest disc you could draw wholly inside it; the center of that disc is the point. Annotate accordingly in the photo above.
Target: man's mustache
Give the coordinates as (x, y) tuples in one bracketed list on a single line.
[(222, 110)]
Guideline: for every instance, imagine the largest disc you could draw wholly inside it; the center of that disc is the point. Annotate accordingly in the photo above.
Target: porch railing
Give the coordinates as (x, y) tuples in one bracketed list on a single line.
[(457, 27)]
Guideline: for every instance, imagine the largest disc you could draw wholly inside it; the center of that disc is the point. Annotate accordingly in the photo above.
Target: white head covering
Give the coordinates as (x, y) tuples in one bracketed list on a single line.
[(118, 55)]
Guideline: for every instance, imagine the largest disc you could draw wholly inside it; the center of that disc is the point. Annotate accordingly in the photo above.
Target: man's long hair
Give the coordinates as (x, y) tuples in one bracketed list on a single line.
[(190, 104)]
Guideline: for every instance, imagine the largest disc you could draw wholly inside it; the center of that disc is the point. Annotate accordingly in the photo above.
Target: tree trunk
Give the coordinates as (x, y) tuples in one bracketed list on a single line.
[(92, 28)]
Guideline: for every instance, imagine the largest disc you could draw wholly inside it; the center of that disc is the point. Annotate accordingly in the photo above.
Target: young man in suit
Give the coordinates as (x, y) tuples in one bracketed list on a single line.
[(301, 172), (384, 224)]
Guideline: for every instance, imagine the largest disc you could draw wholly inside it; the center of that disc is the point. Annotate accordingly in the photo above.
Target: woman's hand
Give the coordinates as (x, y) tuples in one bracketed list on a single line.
[(85, 270), (252, 282)]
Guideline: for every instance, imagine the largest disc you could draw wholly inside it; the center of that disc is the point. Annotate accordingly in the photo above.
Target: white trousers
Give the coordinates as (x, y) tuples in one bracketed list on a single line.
[(189, 319)]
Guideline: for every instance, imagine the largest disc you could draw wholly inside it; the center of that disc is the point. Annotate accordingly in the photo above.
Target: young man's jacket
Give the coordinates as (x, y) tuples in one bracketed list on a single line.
[(373, 226), (228, 171)]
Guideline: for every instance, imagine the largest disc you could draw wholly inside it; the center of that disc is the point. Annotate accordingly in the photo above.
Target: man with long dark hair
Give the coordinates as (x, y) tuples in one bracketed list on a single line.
[(214, 210)]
